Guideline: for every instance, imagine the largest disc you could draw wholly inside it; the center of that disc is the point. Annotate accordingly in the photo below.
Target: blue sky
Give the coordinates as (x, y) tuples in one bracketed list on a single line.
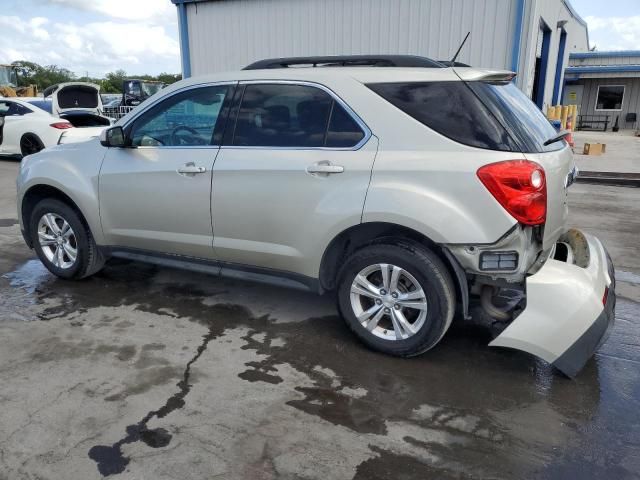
[(140, 36)]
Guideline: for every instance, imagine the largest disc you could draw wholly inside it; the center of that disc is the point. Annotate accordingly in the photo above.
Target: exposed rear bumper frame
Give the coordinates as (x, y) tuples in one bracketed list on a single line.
[(565, 319)]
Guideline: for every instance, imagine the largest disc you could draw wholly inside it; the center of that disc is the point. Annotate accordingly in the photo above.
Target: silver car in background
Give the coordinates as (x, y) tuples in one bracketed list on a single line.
[(408, 192)]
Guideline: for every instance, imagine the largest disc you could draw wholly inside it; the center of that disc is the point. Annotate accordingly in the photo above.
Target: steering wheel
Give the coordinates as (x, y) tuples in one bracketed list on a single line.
[(194, 138)]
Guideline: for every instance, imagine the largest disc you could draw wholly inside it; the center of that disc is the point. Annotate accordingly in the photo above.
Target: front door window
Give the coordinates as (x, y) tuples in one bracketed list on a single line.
[(186, 119)]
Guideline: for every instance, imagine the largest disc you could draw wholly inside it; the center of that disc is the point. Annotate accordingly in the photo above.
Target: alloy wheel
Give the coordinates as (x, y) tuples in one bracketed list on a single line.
[(58, 240), (388, 301)]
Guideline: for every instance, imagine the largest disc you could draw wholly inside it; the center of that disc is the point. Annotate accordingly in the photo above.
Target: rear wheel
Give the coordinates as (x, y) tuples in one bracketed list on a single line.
[(30, 144), (62, 241), (397, 298)]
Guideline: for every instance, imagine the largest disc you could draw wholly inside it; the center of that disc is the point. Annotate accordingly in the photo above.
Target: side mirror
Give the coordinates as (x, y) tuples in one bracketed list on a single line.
[(112, 137)]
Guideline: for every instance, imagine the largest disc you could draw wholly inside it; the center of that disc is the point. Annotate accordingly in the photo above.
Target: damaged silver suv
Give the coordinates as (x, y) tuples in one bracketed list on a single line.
[(407, 188)]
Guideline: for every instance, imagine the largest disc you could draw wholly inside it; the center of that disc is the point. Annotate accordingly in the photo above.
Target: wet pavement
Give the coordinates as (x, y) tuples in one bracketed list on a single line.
[(147, 372)]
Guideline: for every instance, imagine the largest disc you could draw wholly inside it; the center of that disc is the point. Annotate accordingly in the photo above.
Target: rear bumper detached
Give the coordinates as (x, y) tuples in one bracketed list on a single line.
[(570, 307)]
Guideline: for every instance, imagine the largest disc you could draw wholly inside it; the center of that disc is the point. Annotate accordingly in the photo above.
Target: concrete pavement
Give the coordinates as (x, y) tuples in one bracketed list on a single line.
[(144, 372)]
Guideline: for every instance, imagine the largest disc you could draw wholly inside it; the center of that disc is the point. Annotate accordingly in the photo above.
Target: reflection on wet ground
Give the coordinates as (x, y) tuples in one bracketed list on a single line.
[(313, 398)]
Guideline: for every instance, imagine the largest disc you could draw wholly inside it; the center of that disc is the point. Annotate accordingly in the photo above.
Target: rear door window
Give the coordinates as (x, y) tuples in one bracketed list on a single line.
[(343, 130), (12, 109), (289, 115)]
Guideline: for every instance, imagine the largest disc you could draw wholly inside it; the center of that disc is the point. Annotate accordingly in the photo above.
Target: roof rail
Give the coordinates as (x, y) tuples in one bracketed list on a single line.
[(449, 63), (347, 61)]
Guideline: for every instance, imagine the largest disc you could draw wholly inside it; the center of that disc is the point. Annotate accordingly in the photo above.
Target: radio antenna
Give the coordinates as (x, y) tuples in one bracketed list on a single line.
[(453, 60)]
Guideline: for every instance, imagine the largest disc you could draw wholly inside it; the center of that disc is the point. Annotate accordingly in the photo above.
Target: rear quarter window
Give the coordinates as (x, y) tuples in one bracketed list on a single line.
[(494, 116), (520, 115), (451, 109)]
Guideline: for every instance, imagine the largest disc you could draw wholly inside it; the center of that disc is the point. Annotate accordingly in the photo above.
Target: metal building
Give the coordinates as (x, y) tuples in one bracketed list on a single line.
[(532, 37), (606, 87)]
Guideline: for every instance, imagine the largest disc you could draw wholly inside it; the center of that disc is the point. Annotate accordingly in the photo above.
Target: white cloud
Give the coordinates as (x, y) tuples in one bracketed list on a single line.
[(161, 11), (615, 33), (96, 47)]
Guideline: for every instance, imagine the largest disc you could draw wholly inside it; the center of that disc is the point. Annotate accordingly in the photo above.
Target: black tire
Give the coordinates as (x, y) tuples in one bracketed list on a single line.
[(30, 144), (431, 274), (88, 260)]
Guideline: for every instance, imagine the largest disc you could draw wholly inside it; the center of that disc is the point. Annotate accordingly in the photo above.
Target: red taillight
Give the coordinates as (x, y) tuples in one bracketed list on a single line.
[(61, 125), (604, 297), (520, 187)]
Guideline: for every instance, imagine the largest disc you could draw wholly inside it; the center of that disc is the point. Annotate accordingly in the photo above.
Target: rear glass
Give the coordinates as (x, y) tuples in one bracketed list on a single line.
[(78, 97), (478, 114)]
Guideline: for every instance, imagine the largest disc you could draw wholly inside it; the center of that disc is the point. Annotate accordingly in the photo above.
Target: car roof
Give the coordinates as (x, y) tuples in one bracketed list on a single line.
[(360, 74), (35, 99)]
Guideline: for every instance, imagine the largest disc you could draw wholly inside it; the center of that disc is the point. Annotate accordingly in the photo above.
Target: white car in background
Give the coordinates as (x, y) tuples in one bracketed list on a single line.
[(78, 102), (28, 128)]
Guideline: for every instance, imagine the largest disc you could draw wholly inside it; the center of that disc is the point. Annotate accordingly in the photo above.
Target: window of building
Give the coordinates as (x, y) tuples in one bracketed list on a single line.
[(610, 97), (286, 115)]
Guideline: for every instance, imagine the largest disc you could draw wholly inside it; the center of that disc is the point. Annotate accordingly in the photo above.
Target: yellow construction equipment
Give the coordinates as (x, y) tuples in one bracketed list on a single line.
[(9, 84)]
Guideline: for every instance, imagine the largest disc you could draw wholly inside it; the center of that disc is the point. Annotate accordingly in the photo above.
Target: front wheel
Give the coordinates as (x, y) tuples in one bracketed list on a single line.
[(397, 298), (62, 241)]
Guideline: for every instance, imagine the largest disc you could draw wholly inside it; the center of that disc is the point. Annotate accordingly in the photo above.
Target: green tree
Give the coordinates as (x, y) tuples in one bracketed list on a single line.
[(169, 78), (112, 82), (30, 73)]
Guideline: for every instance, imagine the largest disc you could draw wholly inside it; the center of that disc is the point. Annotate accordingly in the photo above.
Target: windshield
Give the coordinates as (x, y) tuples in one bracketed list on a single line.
[(8, 76), (151, 88)]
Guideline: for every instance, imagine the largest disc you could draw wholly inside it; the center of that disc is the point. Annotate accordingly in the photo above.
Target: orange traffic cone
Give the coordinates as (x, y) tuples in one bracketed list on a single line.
[(569, 138)]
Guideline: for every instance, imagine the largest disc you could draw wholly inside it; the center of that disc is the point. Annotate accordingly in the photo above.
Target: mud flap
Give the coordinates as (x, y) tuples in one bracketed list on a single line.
[(569, 308)]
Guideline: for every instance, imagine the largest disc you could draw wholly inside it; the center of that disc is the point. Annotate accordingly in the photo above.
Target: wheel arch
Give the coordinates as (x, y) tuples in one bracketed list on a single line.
[(35, 194), (33, 134), (363, 234)]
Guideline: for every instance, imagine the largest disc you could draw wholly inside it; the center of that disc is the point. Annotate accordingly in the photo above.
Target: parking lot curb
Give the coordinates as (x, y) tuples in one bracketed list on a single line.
[(617, 179)]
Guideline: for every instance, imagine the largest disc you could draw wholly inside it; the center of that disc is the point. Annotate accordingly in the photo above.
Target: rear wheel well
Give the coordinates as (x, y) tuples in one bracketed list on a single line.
[(40, 192), (358, 236)]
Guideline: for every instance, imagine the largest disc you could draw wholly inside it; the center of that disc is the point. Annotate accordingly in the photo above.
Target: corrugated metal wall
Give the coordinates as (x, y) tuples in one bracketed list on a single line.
[(630, 101), (549, 12), (227, 35)]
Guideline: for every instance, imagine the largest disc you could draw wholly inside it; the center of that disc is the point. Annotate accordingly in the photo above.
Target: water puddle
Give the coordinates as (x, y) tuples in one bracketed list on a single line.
[(29, 276), (627, 277), (8, 222), (347, 386), (110, 460)]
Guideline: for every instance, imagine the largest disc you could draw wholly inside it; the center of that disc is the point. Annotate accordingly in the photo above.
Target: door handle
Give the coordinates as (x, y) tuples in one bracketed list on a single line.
[(324, 168), (190, 168)]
